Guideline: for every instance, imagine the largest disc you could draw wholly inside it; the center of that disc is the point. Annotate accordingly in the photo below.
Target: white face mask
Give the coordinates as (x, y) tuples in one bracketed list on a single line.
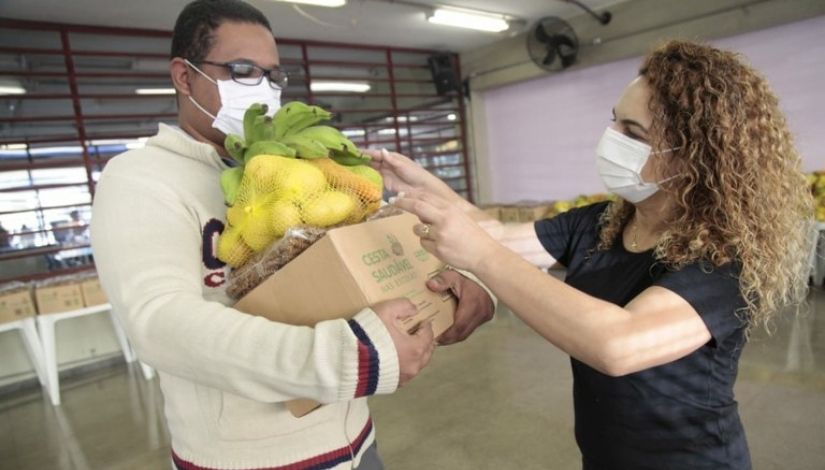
[(620, 160), (235, 99)]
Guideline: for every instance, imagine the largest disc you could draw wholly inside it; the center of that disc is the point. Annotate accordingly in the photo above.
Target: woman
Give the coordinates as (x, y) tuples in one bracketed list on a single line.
[(706, 241)]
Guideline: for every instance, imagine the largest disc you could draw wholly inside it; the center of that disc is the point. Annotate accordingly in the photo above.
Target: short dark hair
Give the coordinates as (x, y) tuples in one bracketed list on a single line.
[(193, 35)]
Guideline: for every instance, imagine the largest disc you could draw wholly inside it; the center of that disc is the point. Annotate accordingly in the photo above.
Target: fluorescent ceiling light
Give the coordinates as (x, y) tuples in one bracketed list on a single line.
[(353, 132), (352, 87), (469, 19), (12, 90), (117, 141), (391, 131), (402, 119), (155, 91), (55, 150), (318, 3), (138, 144), (13, 147), (128, 143)]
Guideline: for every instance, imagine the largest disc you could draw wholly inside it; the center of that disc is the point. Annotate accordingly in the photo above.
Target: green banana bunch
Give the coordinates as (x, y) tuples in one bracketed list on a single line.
[(308, 119), (331, 137), (305, 147), (347, 158), (231, 183), (286, 113), (292, 132), (268, 147), (343, 151), (296, 116), (249, 120), (261, 130), (236, 147)]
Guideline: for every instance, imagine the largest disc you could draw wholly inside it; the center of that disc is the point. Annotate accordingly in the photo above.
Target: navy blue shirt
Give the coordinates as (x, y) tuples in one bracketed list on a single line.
[(680, 415)]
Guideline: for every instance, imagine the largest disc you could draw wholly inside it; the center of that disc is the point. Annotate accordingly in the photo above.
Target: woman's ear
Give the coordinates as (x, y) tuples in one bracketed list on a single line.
[(179, 72)]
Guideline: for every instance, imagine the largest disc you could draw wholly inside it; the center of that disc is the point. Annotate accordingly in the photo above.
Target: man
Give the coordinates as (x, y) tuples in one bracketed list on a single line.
[(226, 375), (5, 238)]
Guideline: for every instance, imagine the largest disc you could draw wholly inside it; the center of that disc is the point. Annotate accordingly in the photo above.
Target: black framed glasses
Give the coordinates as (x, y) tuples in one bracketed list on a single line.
[(251, 75)]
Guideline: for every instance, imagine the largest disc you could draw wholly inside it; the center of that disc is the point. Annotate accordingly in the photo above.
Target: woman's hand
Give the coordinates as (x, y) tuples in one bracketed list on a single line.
[(446, 231), (402, 174)]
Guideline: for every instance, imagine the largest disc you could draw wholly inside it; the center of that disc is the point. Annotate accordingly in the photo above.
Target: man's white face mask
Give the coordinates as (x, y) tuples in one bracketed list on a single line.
[(235, 99), (620, 160)]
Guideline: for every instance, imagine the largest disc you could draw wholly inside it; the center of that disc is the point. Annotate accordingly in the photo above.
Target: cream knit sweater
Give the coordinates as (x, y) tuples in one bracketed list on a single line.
[(225, 375)]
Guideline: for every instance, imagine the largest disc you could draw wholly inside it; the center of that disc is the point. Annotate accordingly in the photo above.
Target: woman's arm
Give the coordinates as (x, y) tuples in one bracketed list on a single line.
[(520, 238), (401, 174), (657, 327)]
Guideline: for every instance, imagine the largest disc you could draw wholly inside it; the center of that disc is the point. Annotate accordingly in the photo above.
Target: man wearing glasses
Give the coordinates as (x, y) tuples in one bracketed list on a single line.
[(226, 375)]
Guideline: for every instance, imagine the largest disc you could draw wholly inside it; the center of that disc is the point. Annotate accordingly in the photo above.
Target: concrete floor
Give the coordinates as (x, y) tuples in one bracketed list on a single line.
[(501, 400)]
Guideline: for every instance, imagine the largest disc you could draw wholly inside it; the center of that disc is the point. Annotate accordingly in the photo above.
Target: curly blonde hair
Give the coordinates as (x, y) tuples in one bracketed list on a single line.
[(740, 196)]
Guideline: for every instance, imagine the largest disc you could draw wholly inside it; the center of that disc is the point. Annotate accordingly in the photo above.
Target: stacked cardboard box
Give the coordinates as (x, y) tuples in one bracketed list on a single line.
[(16, 302), (529, 211), (509, 214), (90, 289), (524, 211), (58, 295), (493, 210)]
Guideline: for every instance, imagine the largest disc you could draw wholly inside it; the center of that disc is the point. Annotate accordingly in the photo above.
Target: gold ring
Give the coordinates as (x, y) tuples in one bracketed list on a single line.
[(425, 231)]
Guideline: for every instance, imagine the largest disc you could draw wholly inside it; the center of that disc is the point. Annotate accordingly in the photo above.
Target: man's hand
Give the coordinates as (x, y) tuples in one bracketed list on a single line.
[(475, 306), (414, 350)]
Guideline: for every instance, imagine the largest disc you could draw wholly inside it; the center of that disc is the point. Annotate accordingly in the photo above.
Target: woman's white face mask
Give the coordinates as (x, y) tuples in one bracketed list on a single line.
[(235, 99), (620, 160)]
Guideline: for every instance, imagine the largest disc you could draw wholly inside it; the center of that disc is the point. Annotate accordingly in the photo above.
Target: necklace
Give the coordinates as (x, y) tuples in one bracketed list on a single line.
[(635, 243)]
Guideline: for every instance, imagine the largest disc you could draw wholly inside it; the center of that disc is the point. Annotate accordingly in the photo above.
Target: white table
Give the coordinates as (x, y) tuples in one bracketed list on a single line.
[(818, 255), (71, 253), (31, 341), (46, 326)]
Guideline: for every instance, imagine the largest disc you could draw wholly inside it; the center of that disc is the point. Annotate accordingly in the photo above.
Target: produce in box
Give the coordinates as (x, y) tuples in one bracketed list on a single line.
[(817, 180), (292, 172)]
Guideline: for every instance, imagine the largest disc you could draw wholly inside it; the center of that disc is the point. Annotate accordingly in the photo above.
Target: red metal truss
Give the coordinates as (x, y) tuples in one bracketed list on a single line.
[(405, 92)]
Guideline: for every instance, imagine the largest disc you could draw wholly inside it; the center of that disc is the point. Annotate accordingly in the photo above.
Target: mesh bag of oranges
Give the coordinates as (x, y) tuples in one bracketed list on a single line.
[(278, 254), (291, 173)]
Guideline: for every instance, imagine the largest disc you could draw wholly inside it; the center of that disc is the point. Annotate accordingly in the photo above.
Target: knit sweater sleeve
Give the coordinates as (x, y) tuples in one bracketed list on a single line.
[(147, 246)]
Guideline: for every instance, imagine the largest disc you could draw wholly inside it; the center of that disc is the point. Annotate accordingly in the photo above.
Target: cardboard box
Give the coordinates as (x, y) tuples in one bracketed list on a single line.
[(493, 211), (509, 214), (58, 298), (92, 292), (16, 303), (530, 213), (349, 269)]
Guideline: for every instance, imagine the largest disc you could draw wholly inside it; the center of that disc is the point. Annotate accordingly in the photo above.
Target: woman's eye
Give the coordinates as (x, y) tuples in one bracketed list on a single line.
[(635, 136)]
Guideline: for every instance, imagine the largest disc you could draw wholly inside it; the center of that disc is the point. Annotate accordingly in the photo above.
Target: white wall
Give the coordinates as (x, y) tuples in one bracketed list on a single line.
[(541, 134)]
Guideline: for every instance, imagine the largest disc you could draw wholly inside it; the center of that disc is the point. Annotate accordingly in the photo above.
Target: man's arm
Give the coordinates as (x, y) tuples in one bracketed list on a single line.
[(147, 248)]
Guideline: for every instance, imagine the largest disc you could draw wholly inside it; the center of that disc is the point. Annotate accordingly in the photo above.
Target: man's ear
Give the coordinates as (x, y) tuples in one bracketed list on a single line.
[(179, 72)]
